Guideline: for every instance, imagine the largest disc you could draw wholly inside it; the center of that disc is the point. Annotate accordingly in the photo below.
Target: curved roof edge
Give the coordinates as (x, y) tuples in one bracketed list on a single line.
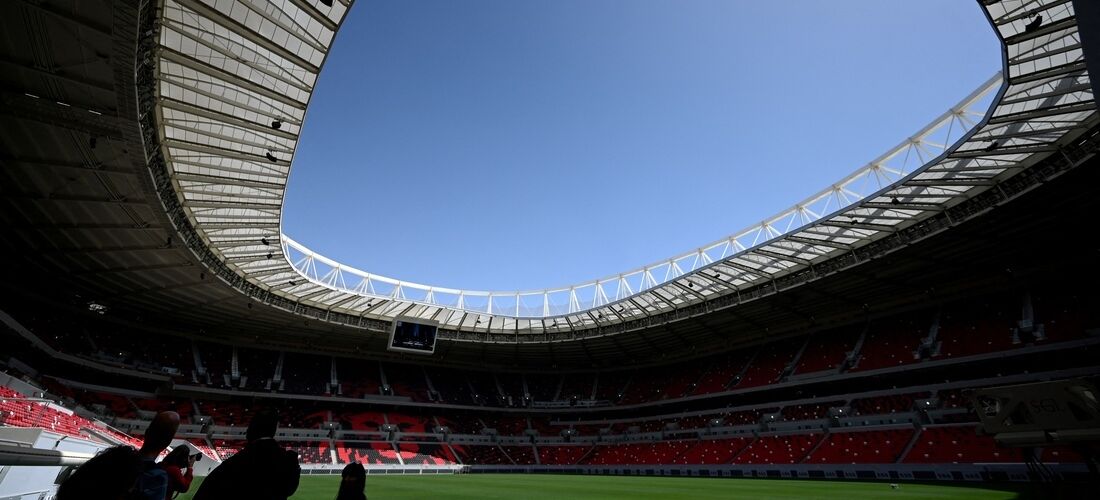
[(889, 168), (225, 95)]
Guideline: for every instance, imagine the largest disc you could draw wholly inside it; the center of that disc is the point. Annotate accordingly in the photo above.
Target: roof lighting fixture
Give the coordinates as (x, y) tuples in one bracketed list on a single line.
[(264, 241), (271, 157), (895, 201), (276, 124), (993, 145), (1034, 24), (292, 283), (269, 255), (327, 2)]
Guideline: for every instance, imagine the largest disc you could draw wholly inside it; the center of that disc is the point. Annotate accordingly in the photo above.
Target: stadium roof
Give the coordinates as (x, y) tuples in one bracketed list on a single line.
[(232, 79), (94, 215)]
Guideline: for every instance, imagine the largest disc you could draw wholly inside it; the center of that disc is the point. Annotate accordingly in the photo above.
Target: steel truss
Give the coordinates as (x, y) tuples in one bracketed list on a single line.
[(231, 80)]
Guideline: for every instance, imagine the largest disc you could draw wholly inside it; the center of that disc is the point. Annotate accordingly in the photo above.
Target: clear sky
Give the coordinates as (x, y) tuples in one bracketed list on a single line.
[(522, 144)]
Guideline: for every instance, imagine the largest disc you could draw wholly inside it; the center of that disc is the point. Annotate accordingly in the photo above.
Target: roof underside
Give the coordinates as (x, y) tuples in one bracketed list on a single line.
[(228, 71)]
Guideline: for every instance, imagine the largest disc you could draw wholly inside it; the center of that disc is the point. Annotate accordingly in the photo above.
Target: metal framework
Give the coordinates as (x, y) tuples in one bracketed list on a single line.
[(233, 79)]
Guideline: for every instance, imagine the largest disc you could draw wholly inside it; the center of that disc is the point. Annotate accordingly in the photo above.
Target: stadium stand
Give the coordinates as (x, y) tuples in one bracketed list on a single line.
[(778, 449), (482, 455), (862, 447), (827, 350), (958, 444), (562, 455), (768, 364), (892, 342)]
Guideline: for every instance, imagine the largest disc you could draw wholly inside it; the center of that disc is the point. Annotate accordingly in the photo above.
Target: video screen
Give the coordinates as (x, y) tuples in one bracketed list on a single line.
[(413, 337)]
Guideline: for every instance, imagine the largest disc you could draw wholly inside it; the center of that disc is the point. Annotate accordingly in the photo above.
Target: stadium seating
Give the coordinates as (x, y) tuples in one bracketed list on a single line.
[(216, 359), (1066, 317), (481, 454), (782, 449), (577, 385), (892, 342), (373, 452), (880, 405), (257, 367), (310, 452), (306, 373), (361, 421), (521, 455), (723, 369), (712, 451), (808, 411), (862, 447), (826, 350), (637, 454), (507, 425), (968, 329), (958, 444), (406, 380), (426, 454), (358, 378), (610, 385), (542, 387), (410, 423), (562, 455), (226, 448), (451, 385), (768, 364)]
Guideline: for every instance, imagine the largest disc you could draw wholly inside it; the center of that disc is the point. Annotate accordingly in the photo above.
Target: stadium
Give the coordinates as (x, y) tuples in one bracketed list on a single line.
[(927, 326)]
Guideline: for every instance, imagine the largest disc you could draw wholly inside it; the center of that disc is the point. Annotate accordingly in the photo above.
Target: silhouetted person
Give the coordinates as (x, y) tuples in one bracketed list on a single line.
[(263, 470), (178, 481), (353, 482), (153, 482), (110, 475)]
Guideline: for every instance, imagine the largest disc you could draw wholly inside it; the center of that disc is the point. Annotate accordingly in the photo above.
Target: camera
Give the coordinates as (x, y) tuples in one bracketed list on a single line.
[(198, 457)]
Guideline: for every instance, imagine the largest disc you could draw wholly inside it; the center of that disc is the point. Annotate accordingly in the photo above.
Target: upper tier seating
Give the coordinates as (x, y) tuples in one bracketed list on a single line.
[(968, 329), (721, 372), (358, 377), (827, 350), (406, 380), (768, 364), (893, 341)]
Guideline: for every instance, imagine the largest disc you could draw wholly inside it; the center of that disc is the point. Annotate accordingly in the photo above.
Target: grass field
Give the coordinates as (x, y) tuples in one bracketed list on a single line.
[(519, 486)]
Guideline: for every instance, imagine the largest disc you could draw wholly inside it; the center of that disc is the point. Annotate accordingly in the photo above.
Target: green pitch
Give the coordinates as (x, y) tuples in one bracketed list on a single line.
[(521, 486)]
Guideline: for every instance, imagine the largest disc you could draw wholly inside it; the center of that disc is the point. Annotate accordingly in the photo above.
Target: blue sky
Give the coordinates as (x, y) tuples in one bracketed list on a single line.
[(520, 144)]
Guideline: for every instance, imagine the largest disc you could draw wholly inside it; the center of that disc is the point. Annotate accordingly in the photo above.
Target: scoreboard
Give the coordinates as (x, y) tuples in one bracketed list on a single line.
[(413, 335)]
